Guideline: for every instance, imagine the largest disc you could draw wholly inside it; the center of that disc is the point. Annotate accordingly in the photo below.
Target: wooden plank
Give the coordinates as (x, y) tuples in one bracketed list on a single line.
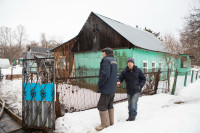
[(2, 106), (15, 117), (1, 130), (5, 117), (20, 131), (9, 122), (16, 76), (10, 126)]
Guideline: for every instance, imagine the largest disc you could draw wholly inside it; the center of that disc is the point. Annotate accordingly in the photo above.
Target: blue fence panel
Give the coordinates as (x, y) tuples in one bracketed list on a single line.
[(38, 92)]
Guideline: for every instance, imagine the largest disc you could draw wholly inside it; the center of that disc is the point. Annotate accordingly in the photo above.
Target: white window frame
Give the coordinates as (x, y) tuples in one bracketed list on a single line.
[(154, 66), (146, 66)]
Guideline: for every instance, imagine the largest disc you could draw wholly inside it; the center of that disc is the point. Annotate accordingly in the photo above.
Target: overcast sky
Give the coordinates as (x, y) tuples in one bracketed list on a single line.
[(63, 19)]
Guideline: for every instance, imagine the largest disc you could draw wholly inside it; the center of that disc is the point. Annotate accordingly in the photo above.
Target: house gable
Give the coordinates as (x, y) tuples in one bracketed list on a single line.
[(96, 35)]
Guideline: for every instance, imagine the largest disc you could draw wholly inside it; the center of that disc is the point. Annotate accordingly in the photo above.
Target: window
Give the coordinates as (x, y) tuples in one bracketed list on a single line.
[(153, 66), (95, 28), (183, 62), (160, 65), (62, 62), (145, 66)]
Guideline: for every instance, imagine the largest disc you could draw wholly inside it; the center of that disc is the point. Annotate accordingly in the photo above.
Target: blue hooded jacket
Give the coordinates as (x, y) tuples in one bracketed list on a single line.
[(107, 83)]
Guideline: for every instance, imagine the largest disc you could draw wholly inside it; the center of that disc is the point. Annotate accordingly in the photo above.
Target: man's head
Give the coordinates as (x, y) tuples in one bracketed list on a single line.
[(130, 63), (107, 52)]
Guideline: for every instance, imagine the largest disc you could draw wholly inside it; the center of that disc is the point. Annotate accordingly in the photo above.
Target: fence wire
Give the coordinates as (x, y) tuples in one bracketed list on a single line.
[(79, 92)]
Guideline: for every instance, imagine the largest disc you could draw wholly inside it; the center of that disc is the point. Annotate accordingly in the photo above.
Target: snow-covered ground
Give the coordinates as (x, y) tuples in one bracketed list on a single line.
[(16, 70), (11, 91), (161, 113), (74, 98)]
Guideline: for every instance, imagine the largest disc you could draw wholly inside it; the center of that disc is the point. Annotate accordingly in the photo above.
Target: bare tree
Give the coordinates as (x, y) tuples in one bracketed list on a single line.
[(172, 44), (44, 41), (20, 36), (6, 36), (174, 49), (154, 33), (32, 44), (48, 43), (12, 42), (170, 60), (190, 34)]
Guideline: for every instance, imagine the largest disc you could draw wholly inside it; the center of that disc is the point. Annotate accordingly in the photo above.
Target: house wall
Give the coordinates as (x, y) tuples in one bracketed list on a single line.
[(96, 35), (63, 60), (91, 60), (182, 70)]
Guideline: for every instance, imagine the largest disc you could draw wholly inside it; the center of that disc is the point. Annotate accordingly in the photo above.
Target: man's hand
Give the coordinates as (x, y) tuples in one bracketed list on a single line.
[(118, 83)]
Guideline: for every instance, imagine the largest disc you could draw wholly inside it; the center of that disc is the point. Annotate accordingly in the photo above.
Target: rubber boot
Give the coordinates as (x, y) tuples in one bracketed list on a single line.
[(111, 116), (105, 121)]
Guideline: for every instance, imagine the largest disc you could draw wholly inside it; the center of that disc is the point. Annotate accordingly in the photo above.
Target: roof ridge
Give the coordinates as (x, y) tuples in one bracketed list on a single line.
[(122, 23), (137, 37), (108, 18)]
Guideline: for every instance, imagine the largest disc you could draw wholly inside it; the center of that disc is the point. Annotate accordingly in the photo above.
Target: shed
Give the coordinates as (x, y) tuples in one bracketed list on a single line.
[(36, 53), (4, 63)]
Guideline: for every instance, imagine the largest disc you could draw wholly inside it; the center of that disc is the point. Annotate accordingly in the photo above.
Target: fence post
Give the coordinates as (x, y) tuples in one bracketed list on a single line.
[(185, 82), (175, 80), (197, 75), (157, 78), (0, 73), (192, 76), (12, 73)]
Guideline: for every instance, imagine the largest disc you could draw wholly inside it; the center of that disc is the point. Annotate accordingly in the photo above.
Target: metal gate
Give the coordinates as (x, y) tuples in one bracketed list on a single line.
[(38, 111)]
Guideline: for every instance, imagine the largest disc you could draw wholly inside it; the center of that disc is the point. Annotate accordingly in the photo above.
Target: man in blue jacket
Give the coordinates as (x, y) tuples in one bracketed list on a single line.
[(135, 80), (107, 87)]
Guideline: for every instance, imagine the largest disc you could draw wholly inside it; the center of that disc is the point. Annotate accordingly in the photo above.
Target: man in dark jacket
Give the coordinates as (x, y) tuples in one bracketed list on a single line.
[(135, 80), (107, 87)]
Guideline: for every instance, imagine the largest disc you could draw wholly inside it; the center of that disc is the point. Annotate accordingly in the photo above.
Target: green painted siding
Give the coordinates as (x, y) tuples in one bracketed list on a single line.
[(91, 60), (122, 55), (88, 60), (182, 70), (141, 55)]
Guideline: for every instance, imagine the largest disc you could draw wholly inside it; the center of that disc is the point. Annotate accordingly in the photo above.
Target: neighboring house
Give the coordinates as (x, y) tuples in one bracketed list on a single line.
[(36, 53), (4, 63), (99, 32)]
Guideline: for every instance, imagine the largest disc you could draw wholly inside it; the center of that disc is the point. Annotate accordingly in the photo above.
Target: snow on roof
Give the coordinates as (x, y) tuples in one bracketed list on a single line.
[(137, 37), (4, 63), (40, 50)]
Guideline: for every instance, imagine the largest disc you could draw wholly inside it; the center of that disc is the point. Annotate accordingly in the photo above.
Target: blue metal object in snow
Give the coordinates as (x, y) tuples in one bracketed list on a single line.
[(38, 92)]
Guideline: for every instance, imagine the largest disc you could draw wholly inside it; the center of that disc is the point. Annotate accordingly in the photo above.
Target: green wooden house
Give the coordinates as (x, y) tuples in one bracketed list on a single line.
[(99, 32), (148, 51)]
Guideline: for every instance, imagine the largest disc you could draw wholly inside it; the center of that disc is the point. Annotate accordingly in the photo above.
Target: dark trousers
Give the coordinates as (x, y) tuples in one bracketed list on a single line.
[(105, 102)]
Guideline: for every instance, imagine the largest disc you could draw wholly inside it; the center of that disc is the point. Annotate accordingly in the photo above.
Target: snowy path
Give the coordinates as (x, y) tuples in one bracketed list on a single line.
[(156, 114)]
